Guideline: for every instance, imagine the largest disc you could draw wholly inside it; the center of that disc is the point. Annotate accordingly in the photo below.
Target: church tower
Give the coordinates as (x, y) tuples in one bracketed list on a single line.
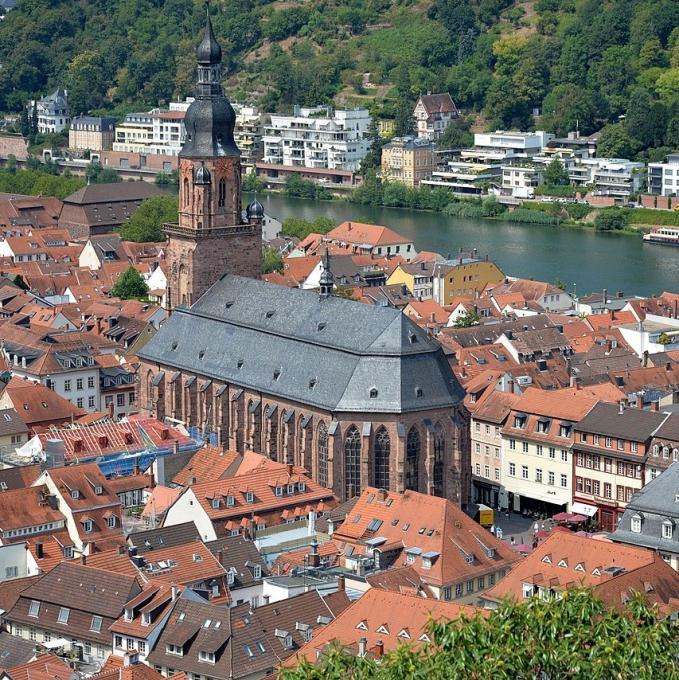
[(213, 237)]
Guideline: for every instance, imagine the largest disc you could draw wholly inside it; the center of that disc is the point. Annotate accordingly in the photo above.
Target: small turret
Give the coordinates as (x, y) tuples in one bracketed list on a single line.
[(327, 280), (255, 211)]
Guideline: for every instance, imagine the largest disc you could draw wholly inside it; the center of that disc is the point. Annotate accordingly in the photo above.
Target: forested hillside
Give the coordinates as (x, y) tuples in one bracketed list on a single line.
[(588, 63)]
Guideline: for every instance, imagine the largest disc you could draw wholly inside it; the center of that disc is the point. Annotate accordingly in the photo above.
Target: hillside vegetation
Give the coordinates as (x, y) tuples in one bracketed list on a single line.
[(582, 63)]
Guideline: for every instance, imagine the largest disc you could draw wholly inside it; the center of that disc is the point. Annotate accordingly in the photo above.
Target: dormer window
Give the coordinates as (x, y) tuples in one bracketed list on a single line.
[(564, 430), (667, 529), (230, 501), (301, 486), (34, 609), (175, 650), (112, 522), (95, 624), (279, 491), (98, 490), (249, 497), (231, 576), (635, 524), (215, 503), (88, 526), (75, 494), (257, 571), (291, 489), (543, 425), (520, 421), (129, 614), (373, 393)]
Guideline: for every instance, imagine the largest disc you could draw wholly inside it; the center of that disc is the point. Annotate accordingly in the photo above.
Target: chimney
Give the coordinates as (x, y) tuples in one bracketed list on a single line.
[(290, 469), (121, 550), (612, 315), (574, 383), (362, 644), (605, 297), (340, 584), (621, 407), (314, 557), (220, 556), (432, 317), (640, 400), (39, 551), (348, 226), (668, 365), (173, 590), (266, 599), (655, 405), (83, 559), (378, 650), (510, 386), (620, 294)]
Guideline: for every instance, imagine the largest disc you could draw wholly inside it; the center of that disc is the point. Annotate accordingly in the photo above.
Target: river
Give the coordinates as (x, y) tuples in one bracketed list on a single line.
[(585, 260)]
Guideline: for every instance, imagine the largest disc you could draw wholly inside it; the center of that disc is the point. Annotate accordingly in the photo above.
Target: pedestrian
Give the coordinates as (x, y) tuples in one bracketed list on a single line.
[(536, 526), (543, 526), (492, 530), (512, 540)]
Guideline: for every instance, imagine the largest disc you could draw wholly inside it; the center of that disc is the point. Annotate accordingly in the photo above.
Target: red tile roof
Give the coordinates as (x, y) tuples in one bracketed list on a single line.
[(360, 234), (381, 616), (206, 465), (44, 667)]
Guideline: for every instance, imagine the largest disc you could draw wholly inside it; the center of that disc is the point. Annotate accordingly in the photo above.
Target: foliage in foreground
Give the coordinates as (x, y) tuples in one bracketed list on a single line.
[(38, 183), (300, 228), (575, 638)]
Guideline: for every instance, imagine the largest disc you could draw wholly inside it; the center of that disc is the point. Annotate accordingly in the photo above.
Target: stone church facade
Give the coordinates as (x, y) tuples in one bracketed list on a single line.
[(358, 395)]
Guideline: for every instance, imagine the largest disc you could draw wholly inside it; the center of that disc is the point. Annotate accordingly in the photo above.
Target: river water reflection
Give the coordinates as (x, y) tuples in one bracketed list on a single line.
[(585, 260)]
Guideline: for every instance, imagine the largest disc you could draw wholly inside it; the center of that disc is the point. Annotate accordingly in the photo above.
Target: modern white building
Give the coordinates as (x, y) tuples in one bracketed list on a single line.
[(663, 178), (617, 177), (520, 180), (318, 137), (53, 112), (249, 133), (522, 144)]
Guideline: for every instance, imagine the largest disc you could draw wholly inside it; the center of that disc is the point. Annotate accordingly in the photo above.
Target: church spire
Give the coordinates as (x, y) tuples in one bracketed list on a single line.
[(327, 280)]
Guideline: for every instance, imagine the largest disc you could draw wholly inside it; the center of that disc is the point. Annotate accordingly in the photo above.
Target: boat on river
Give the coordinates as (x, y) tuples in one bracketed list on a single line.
[(668, 236)]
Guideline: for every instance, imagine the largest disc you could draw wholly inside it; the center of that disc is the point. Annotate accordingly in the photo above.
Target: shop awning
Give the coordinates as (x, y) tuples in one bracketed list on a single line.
[(584, 509)]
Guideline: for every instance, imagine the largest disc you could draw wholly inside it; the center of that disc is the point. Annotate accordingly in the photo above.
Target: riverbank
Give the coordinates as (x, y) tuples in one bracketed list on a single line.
[(585, 259)]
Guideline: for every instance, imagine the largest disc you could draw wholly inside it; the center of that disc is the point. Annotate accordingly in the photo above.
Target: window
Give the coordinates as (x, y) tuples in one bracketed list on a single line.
[(579, 484), (95, 624), (91, 402), (621, 468), (67, 385), (597, 439), (596, 488), (87, 526), (620, 493), (64, 613), (635, 524), (564, 455), (621, 444), (486, 471), (382, 452), (352, 463), (206, 657), (538, 449), (176, 650), (524, 472), (583, 436), (497, 474), (564, 481), (90, 382), (579, 459), (667, 529), (552, 452), (413, 459), (524, 447), (458, 590), (470, 586), (538, 475), (512, 444), (634, 447), (79, 402), (322, 454), (120, 400), (111, 522), (512, 470), (609, 442), (607, 490), (477, 469), (11, 572), (550, 478), (79, 384), (439, 456), (34, 608)]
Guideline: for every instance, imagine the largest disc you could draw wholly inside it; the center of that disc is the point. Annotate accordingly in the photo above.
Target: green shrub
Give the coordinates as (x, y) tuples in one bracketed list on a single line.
[(532, 217)]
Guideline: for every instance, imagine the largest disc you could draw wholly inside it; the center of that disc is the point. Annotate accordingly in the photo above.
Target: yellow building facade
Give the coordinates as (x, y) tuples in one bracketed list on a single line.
[(467, 278)]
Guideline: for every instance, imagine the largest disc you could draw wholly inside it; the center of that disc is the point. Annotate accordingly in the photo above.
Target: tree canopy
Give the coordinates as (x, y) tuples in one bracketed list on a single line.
[(146, 223), (572, 65), (573, 638), (130, 285)]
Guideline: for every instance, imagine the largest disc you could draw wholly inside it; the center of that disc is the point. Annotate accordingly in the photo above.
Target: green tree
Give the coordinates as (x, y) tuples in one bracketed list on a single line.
[(300, 228), (466, 320), (610, 219), (34, 119), (616, 142), (457, 135), (146, 223), (130, 285), (96, 173), (555, 174), (25, 123), (568, 107), (251, 182), (272, 261), (575, 637), (373, 158), (645, 119)]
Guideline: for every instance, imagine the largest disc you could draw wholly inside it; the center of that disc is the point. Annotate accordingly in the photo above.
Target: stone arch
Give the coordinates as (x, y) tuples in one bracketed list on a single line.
[(221, 199), (186, 193), (381, 455), (149, 389), (413, 451), (183, 296), (352, 462)]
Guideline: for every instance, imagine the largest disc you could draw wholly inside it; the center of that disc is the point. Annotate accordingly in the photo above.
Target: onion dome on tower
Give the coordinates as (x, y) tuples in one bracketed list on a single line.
[(255, 210), (210, 120)]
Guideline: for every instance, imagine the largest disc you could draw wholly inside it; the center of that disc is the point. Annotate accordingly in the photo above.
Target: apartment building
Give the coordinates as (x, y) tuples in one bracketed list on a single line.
[(408, 160), (537, 438), (249, 133), (663, 178), (617, 177), (318, 137), (466, 275), (91, 133), (610, 450), (433, 113), (488, 419), (156, 132)]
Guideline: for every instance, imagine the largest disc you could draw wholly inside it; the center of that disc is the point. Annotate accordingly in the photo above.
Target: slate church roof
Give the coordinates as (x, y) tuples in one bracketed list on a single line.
[(331, 353)]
